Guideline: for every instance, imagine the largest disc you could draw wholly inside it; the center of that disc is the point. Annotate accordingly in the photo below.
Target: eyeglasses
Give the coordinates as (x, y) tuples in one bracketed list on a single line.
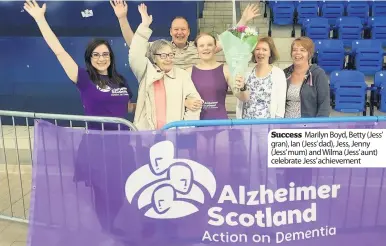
[(96, 56), (163, 55)]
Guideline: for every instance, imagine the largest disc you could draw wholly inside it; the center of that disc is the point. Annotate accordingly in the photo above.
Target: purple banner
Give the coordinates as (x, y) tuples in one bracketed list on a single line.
[(195, 186)]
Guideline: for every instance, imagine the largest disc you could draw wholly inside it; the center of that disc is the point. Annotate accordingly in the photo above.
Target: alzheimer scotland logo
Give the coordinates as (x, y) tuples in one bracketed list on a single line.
[(169, 188)]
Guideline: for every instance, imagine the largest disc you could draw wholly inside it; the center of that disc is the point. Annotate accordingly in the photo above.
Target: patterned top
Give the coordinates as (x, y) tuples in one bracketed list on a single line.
[(258, 105), (293, 106)]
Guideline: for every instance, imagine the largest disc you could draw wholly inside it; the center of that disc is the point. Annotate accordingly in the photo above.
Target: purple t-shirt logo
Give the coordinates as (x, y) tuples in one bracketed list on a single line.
[(110, 101)]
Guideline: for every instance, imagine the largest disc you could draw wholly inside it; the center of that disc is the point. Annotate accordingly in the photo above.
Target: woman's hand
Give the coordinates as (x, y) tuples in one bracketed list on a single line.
[(34, 9), (193, 104), (249, 13), (239, 82), (146, 19), (120, 8)]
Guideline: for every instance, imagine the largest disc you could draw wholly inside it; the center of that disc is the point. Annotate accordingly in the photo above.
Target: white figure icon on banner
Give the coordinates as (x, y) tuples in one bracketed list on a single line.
[(168, 187)]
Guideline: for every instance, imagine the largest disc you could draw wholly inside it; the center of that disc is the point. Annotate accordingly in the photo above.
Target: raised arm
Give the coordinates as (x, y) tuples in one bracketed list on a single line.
[(249, 13), (120, 10), (140, 43), (68, 64)]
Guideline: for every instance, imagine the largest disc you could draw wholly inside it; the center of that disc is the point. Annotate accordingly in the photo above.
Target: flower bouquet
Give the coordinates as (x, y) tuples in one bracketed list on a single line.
[(238, 44)]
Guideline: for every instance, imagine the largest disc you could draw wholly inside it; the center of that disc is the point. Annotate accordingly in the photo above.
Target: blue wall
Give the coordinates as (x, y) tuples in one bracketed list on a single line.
[(66, 19), (32, 79)]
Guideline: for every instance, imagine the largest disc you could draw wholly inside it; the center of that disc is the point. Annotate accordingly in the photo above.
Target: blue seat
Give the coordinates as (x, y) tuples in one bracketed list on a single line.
[(332, 11), (358, 9), (349, 91), (316, 28), (330, 54), (271, 3), (348, 29), (306, 10), (366, 56), (378, 8), (378, 92), (323, 2), (377, 27), (350, 98), (282, 13)]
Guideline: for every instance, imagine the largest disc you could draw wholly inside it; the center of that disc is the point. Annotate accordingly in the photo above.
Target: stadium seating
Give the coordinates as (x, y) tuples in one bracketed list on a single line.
[(282, 13), (330, 54), (378, 93), (366, 56), (378, 8), (332, 11), (377, 28), (350, 20), (358, 9), (359, 25), (306, 10), (349, 91), (316, 28), (348, 29)]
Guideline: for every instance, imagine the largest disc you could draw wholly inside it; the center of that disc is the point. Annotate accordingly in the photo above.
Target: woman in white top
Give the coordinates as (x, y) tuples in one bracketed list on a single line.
[(266, 86)]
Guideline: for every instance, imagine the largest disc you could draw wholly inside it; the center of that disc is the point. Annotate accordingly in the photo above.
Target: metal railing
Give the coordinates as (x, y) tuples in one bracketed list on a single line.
[(15, 176), (242, 122), (16, 131)]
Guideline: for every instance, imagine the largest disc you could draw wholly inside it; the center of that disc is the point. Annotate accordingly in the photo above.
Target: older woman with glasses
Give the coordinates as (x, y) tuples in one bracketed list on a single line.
[(163, 87)]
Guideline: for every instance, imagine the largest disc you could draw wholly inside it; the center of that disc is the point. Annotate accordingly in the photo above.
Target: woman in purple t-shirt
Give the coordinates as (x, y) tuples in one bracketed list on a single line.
[(104, 93)]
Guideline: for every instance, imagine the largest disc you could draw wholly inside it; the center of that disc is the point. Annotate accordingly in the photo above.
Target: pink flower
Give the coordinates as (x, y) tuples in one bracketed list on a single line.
[(241, 28)]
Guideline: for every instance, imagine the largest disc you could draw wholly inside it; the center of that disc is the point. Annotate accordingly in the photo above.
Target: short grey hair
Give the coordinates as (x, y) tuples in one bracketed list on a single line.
[(155, 47)]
